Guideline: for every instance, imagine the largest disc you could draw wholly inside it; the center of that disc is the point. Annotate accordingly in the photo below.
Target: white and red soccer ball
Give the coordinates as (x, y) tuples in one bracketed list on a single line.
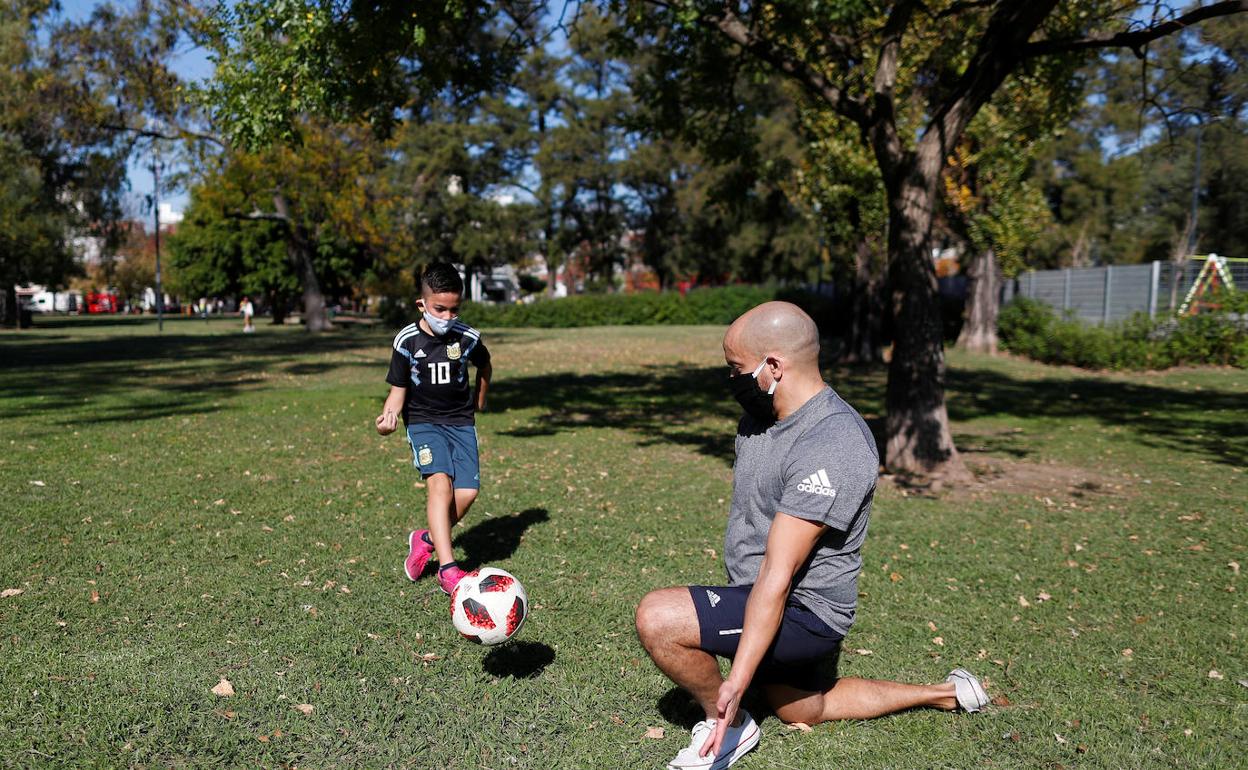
[(488, 606)]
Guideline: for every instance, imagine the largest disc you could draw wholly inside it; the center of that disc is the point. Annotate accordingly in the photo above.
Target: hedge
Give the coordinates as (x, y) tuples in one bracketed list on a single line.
[(1035, 330)]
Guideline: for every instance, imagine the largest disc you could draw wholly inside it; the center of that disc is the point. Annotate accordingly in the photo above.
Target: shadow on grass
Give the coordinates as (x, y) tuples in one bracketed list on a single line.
[(496, 539), (1207, 422), (661, 404), (143, 377), (519, 660)]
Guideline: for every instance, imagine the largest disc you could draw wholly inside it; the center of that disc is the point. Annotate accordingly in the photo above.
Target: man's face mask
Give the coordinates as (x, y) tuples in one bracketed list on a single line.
[(438, 325), (755, 402)]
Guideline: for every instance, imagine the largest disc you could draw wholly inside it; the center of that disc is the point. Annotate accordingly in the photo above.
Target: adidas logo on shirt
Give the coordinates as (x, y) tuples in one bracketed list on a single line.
[(712, 597), (817, 484)]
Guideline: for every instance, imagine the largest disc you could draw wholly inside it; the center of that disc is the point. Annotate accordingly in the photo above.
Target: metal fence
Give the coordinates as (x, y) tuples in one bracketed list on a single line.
[(1102, 295)]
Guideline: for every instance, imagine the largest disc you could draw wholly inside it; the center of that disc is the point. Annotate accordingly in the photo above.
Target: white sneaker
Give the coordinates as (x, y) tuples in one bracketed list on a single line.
[(737, 743), (970, 693)]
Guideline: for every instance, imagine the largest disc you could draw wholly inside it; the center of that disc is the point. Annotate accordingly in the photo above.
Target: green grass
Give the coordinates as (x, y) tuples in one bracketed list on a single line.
[(214, 505)]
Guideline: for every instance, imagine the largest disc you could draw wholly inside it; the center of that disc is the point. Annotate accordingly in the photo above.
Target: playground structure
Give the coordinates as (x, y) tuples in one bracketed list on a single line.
[(1215, 277)]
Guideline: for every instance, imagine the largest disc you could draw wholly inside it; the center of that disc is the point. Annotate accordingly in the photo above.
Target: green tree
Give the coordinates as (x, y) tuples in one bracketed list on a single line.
[(911, 76), (61, 172)]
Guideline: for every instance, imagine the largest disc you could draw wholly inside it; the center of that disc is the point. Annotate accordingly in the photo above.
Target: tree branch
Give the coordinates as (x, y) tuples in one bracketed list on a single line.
[(1136, 39), (179, 134), (999, 52), (785, 60)]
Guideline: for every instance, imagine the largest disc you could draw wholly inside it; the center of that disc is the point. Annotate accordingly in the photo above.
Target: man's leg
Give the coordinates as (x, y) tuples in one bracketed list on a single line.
[(854, 698), (667, 625)]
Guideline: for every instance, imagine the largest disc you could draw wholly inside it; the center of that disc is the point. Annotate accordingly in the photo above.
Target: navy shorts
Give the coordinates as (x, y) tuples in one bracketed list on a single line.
[(804, 653), (449, 449)]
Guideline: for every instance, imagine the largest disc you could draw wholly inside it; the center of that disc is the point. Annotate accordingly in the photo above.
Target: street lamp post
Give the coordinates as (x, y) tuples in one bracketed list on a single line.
[(160, 292)]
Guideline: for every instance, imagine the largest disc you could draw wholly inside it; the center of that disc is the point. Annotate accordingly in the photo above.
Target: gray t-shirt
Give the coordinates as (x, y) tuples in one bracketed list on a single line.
[(820, 464)]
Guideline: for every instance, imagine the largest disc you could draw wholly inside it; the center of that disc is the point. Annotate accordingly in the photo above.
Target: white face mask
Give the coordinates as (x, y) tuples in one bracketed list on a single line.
[(440, 326)]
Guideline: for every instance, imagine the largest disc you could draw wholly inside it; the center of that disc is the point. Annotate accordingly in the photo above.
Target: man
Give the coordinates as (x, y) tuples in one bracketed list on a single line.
[(803, 482)]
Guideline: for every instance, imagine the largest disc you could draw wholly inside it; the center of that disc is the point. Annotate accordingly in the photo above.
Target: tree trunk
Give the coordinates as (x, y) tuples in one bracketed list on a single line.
[(983, 302), (8, 305), (866, 324), (315, 313), (917, 424), (277, 307)]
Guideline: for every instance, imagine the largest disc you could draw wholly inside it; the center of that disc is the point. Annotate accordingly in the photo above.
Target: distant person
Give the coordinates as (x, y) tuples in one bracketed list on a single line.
[(803, 482), (429, 385), (247, 311)]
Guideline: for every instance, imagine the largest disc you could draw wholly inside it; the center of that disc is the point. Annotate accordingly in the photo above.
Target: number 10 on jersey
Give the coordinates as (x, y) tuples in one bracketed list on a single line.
[(440, 373)]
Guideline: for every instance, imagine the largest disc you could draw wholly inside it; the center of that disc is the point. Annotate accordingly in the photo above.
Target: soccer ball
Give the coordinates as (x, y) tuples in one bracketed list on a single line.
[(488, 606)]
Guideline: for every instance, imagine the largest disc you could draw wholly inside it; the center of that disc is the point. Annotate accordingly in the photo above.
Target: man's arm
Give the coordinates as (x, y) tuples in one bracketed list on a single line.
[(789, 543), (484, 373), (388, 420)]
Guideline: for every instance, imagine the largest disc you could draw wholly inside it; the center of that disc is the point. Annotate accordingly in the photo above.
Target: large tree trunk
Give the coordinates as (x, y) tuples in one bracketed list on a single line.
[(8, 305), (917, 424), (866, 324), (983, 302), (315, 312)]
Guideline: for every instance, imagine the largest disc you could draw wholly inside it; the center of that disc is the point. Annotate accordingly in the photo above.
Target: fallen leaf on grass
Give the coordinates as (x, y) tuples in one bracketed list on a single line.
[(95, 596), (1022, 602), (1215, 674), (861, 651), (895, 576), (1128, 652), (1000, 700), (709, 552), (305, 708), (1043, 596), (1082, 748), (654, 733), (262, 738), (939, 641), (1059, 738), (226, 714), (931, 625), (224, 688), (801, 726), (8, 592), (429, 657), (1234, 565)]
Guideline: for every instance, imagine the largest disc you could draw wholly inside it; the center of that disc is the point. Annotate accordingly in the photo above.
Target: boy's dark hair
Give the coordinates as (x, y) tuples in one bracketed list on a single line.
[(441, 277)]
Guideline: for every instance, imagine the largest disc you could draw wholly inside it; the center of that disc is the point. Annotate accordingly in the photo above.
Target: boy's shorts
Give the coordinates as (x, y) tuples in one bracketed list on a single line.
[(449, 449), (803, 655)]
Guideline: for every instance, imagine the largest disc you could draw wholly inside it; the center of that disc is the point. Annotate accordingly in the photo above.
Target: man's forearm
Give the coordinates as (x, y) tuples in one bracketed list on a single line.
[(763, 613)]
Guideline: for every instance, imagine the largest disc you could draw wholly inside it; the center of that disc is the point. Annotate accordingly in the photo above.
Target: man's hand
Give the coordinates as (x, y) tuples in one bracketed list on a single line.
[(725, 714), (387, 422)]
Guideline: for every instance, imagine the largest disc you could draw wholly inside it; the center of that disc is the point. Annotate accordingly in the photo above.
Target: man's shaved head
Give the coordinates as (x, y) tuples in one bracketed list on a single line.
[(775, 327)]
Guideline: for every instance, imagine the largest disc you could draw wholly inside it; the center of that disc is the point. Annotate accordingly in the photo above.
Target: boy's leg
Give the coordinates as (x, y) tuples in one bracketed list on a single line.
[(464, 498), (441, 511)]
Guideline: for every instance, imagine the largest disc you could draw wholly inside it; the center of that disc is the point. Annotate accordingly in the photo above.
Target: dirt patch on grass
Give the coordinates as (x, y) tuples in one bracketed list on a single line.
[(1049, 482)]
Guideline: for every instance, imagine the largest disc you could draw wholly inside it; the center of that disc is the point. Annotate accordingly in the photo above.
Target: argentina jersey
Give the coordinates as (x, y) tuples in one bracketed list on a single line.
[(434, 370)]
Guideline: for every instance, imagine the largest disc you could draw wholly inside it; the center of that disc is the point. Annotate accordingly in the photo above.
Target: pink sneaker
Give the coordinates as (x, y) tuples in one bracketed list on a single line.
[(449, 578), (418, 553)]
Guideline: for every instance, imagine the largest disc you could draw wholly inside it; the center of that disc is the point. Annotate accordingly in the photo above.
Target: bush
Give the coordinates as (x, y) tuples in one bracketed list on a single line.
[(1035, 330), (717, 306)]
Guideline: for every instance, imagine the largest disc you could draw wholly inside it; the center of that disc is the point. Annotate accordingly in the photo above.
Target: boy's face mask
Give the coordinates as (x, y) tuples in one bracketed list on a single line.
[(755, 402), (440, 326)]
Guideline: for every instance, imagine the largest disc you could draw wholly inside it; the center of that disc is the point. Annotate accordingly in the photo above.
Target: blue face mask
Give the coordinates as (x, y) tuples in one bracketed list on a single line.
[(440, 326)]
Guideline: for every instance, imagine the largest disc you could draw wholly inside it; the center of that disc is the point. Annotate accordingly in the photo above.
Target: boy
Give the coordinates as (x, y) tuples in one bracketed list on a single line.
[(429, 383)]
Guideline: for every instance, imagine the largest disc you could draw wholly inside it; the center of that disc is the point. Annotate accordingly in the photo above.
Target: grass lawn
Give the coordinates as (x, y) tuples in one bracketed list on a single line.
[(201, 505)]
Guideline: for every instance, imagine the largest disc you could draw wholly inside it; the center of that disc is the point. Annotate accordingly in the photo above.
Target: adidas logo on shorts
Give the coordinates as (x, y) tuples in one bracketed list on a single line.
[(818, 484), (712, 597)]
